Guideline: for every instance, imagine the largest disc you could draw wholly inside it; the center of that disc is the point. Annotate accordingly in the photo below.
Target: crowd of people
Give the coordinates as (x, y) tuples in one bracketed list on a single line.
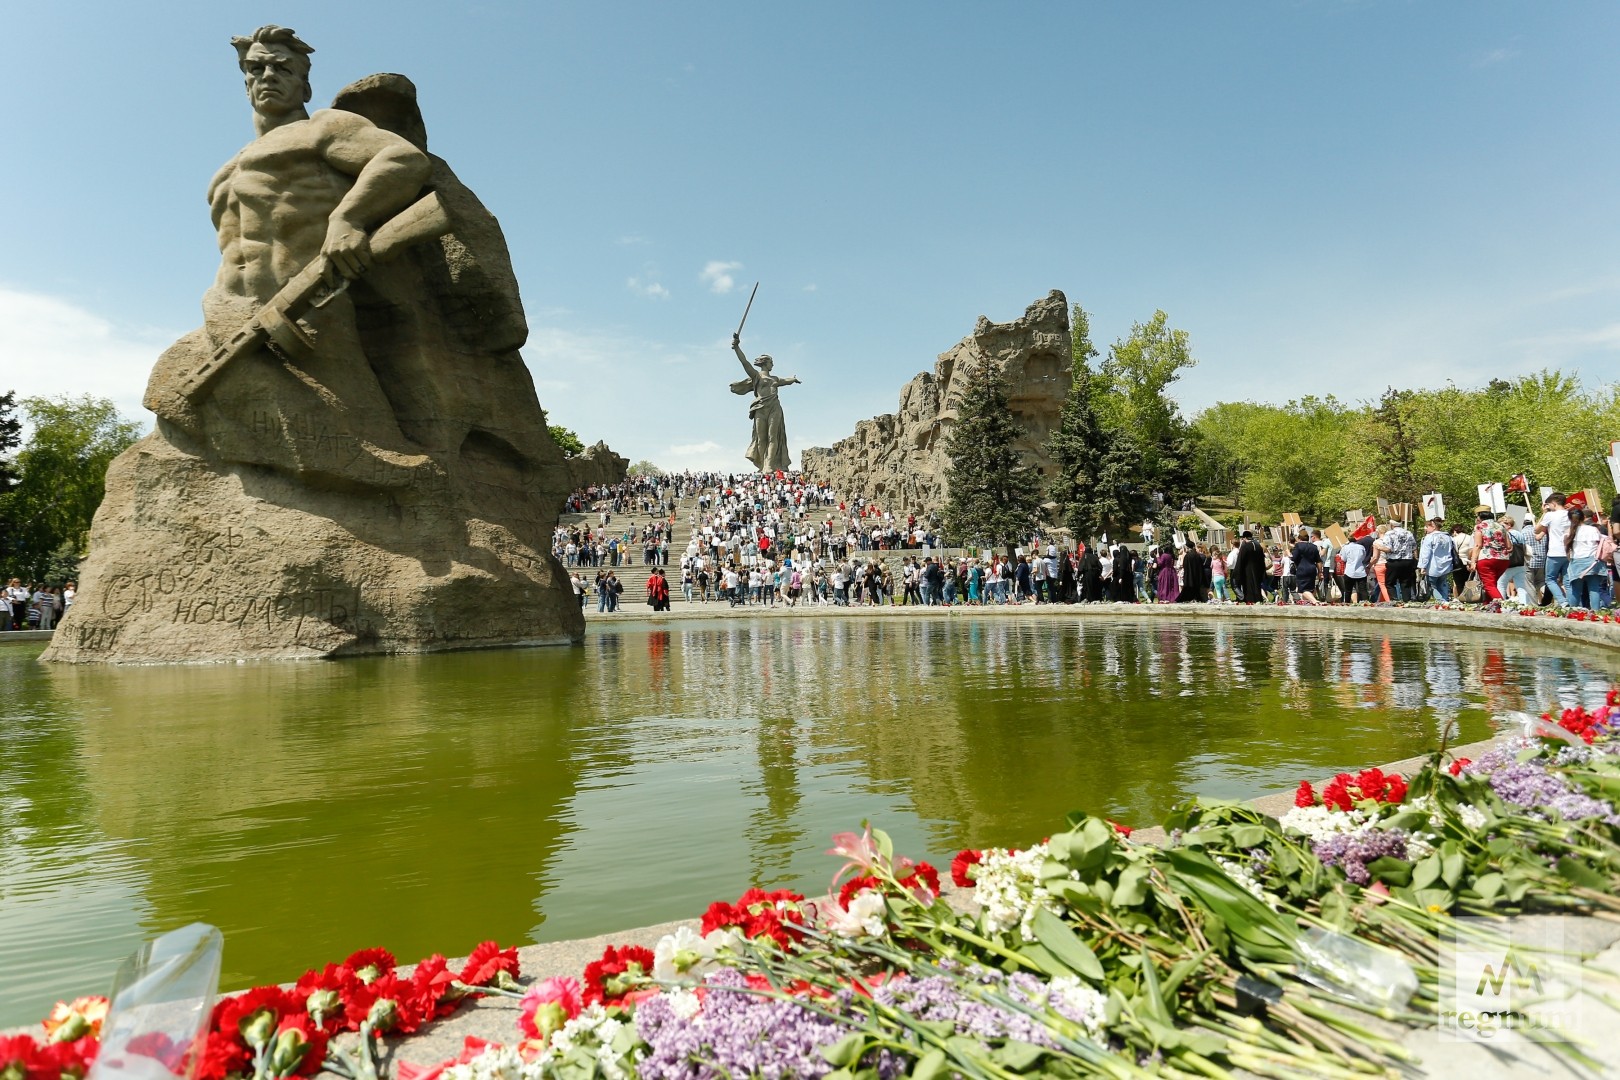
[(36, 607), (783, 539)]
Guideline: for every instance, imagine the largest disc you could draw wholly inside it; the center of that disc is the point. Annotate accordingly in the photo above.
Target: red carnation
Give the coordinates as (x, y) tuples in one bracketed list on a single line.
[(719, 916), (620, 970), (1306, 795), (1337, 793), (962, 867), (1459, 765), (922, 883), (221, 1056), (854, 885), (388, 1002), (433, 988), (1123, 830), (64, 1060), (1394, 788), (299, 1049), (487, 961), (368, 964), (759, 914), (322, 994), (253, 1016)]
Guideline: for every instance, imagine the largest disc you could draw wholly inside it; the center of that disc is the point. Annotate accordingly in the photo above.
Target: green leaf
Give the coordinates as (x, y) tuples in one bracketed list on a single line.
[(929, 1065), (1578, 873), (1426, 872), (846, 1051), (1248, 836), (1488, 885), (1131, 888), (1453, 868), (1013, 1054), (1152, 996), (1062, 942), (1392, 871)]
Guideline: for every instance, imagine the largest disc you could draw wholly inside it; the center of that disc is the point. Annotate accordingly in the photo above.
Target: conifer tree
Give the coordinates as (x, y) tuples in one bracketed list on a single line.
[(1096, 486), (994, 496)]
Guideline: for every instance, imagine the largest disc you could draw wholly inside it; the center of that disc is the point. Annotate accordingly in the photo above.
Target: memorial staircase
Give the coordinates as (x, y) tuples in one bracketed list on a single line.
[(631, 571)]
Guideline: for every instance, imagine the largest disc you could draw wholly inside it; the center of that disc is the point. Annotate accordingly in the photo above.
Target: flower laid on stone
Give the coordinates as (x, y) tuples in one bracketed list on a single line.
[(1087, 954)]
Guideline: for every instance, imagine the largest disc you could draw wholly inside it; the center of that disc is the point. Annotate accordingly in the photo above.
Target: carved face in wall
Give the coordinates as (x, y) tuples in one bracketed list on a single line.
[(276, 78)]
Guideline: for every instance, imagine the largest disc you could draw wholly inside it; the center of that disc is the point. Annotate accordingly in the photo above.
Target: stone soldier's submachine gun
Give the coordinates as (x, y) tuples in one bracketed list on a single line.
[(276, 324)]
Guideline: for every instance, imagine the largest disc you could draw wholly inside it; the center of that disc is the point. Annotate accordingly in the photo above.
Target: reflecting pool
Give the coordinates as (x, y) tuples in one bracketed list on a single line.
[(426, 803)]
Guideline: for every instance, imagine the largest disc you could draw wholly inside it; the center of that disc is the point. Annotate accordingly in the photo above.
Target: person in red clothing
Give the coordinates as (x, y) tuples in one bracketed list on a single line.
[(658, 590)]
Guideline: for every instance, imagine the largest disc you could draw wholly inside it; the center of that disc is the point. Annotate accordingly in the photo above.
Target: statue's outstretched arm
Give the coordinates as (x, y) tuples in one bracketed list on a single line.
[(742, 357)]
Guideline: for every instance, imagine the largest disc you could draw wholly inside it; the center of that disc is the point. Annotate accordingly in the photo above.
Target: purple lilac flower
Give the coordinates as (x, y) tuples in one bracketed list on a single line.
[(1351, 852), (939, 997), (736, 1034), (1532, 785)]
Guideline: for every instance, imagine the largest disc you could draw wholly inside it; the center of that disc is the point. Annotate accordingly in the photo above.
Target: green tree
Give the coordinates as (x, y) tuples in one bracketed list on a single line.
[(10, 437), (1094, 486), (566, 439), (62, 476), (993, 495), (1131, 395), (645, 468)]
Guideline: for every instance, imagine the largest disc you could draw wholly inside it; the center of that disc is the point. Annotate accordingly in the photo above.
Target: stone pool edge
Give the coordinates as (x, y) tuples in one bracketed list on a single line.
[(1603, 635)]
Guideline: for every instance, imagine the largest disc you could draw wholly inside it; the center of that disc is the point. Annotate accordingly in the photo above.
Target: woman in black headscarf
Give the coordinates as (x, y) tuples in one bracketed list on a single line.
[(1194, 576), (1248, 570), (1065, 582), (1091, 582), (1124, 576)]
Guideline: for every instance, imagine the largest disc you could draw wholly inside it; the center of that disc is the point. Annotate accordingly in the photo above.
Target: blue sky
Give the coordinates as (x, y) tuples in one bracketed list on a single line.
[(1330, 197)]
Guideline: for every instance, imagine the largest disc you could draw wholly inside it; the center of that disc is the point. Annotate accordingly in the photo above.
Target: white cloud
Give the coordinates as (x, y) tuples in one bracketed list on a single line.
[(53, 347), (648, 288), (810, 287), (718, 276), (1494, 56), (631, 240), (685, 450)]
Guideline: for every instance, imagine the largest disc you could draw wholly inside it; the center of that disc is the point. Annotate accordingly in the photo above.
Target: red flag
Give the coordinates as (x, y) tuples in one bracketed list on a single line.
[(1366, 528), (1576, 500), (1520, 482)]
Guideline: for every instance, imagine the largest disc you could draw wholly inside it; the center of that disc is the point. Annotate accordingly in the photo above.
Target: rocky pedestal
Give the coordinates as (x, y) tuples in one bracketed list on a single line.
[(898, 459), (393, 491)]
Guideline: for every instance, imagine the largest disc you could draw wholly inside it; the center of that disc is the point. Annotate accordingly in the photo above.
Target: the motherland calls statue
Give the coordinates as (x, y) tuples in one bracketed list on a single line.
[(349, 455), (768, 449)]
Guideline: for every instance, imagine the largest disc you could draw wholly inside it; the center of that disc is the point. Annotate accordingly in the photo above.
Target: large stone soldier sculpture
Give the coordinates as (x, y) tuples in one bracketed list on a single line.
[(349, 454)]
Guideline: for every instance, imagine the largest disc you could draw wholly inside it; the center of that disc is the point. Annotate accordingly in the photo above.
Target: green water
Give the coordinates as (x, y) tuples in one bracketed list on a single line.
[(310, 809)]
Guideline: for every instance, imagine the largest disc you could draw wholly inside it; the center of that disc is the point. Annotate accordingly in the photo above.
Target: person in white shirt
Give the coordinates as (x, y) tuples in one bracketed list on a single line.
[(1586, 572), (1554, 525)]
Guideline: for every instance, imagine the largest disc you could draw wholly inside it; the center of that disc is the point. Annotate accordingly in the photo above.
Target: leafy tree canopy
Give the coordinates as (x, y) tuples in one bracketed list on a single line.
[(567, 440), (62, 476)]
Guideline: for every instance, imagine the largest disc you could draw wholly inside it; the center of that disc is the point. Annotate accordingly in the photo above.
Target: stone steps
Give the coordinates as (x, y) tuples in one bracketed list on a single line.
[(632, 572)]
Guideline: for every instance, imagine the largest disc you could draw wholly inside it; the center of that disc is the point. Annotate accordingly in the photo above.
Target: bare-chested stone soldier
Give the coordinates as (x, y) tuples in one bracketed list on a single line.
[(307, 187), (360, 468)]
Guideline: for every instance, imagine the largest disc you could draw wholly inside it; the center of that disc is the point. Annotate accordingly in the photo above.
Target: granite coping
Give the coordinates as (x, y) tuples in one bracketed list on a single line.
[(17, 637), (1572, 631)]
